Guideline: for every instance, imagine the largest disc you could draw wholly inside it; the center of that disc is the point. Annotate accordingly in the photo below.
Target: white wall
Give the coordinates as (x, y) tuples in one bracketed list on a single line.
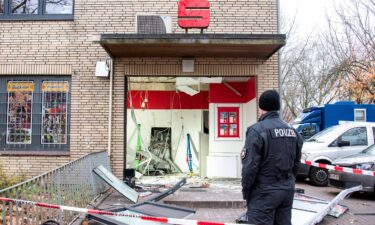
[(224, 153), (190, 119)]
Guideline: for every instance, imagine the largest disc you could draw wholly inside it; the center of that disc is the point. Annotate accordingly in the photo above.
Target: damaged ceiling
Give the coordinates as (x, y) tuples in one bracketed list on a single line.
[(175, 83)]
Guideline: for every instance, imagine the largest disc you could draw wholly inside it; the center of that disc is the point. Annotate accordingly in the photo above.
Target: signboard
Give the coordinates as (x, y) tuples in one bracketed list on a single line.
[(193, 14)]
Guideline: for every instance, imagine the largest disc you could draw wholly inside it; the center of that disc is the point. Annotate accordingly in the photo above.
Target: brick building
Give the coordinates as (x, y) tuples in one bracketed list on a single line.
[(53, 108)]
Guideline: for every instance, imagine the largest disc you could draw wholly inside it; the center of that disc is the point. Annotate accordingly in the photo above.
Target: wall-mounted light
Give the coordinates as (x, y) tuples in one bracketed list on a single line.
[(102, 69), (188, 65)]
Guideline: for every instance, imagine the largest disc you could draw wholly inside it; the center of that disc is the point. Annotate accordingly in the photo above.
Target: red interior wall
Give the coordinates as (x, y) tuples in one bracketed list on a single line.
[(220, 93), (168, 100)]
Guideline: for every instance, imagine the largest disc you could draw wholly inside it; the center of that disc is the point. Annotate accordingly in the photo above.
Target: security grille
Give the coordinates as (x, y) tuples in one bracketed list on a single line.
[(34, 113)]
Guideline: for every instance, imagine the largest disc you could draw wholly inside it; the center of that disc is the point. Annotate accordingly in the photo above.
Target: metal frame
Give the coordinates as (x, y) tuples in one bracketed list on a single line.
[(134, 208), (71, 184), (169, 191), (40, 16), (110, 221), (36, 123), (116, 183), (152, 201)]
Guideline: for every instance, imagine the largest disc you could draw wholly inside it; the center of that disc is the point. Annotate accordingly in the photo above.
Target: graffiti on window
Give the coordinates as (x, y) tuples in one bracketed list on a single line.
[(20, 97), (54, 112)]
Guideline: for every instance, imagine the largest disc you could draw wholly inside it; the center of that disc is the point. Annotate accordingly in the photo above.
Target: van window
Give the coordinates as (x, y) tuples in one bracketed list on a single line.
[(308, 131), (360, 115), (355, 136)]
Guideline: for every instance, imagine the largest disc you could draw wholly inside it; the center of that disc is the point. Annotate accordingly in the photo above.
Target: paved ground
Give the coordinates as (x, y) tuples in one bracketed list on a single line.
[(357, 203), (222, 202)]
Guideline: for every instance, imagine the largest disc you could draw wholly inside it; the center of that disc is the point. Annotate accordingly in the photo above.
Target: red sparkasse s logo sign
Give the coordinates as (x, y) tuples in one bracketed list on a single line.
[(193, 14)]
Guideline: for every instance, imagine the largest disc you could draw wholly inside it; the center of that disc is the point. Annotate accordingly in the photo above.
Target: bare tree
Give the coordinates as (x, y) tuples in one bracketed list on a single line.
[(309, 79), (306, 75), (352, 39)]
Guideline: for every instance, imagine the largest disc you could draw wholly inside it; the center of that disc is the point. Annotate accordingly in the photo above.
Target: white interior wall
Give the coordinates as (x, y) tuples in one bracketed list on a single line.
[(191, 120), (224, 153)]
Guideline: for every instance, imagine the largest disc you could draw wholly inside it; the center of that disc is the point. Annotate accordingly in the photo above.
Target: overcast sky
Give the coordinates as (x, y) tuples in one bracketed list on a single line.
[(310, 13)]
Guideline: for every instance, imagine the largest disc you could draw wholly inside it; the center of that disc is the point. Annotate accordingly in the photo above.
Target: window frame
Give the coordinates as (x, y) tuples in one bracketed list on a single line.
[(339, 138), (364, 115), (228, 109), (7, 15), (36, 147)]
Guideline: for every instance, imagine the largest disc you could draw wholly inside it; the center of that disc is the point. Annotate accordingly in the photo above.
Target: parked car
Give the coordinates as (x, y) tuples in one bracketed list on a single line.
[(364, 161), (333, 143)]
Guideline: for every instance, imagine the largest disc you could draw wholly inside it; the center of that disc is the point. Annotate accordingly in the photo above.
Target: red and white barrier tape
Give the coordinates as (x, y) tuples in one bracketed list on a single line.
[(100, 212), (339, 168)]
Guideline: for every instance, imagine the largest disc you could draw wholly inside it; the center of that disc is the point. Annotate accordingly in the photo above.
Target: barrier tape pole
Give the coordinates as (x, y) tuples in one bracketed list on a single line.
[(339, 168), (101, 212)]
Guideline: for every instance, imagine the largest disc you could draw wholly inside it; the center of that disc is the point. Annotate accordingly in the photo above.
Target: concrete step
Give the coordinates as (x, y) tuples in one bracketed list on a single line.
[(207, 198)]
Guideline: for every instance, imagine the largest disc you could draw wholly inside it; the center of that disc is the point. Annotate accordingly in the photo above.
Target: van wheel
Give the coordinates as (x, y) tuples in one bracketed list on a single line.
[(318, 176)]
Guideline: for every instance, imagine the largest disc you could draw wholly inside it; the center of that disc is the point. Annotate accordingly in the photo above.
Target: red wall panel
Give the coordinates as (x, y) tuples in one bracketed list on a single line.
[(220, 93), (168, 100)]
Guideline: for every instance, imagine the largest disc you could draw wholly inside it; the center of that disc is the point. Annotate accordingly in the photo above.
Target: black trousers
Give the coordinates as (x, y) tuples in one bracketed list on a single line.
[(270, 207)]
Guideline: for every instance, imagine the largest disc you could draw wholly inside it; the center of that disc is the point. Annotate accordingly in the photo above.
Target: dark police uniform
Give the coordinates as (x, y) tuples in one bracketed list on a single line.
[(270, 161)]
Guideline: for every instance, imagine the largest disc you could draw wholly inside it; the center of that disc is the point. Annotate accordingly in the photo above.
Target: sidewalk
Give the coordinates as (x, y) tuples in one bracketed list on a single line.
[(222, 200)]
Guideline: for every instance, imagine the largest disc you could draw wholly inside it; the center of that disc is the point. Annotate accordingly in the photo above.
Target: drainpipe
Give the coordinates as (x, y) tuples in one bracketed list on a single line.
[(278, 58), (126, 83), (110, 108)]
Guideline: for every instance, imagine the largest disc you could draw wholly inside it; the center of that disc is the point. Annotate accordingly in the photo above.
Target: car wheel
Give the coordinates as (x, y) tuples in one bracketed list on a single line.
[(319, 176)]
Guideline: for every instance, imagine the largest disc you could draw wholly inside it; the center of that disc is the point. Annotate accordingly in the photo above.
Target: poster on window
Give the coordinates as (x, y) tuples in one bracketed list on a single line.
[(233, 130), (232, 117), (223, 117), (223, 129), (19, 113), (54, 112)]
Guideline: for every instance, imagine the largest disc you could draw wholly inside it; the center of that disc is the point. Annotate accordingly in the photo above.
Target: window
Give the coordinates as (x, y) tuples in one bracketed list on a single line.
[(228, 122), (1, 7), (360, 115), (36, 9), (355, 136), (308, 131), (34, 113), (373, 133)]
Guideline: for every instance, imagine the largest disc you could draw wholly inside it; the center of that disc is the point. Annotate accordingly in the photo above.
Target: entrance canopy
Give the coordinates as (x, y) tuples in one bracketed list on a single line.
[(260, 46)]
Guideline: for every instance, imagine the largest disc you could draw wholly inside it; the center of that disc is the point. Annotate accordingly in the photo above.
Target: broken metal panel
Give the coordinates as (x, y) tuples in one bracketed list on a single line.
[(116, 183), (169, 191), (145, 208), (161, 210), (319, 216), (309, 210)]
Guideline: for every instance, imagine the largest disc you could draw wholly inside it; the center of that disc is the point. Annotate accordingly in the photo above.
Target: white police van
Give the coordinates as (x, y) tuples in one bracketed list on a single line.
[(332, 143)]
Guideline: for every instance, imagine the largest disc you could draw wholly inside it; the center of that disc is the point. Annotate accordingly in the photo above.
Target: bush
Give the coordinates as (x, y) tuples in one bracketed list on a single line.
[(6, 181)]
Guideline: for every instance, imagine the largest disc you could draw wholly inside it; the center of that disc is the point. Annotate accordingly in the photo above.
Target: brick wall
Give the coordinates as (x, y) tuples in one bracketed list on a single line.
[(68, 44)]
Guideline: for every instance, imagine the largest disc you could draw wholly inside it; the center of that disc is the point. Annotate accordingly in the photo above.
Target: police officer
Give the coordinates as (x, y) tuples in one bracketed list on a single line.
[(270, 161)]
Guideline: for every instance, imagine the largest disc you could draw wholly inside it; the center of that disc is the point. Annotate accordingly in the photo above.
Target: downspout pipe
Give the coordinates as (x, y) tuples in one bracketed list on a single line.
[(110, 108), (279, 58)]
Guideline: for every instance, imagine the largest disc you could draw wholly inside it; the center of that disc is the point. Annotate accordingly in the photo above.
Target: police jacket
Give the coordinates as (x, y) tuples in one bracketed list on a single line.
[(271, 156)]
